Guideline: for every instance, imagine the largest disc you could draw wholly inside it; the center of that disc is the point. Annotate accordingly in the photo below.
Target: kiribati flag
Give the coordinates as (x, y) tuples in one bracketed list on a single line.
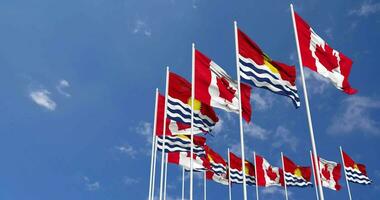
[(355, 172), (296, 175), (172, 127), (257, 69), (218, 167), (236, 172), (179, 105), (182, 143)]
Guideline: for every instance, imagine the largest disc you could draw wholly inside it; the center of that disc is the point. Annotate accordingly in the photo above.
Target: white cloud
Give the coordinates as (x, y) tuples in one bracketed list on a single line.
[(316, 83), (274, 190), (255, 131), (366, 8), (328, 33), (283, 137), (218, 127), (355, 114), (41, 98), (91, 186), (141, 27), (146, 130), (262, 101), (127, 149), (61, 86), (130, 181)]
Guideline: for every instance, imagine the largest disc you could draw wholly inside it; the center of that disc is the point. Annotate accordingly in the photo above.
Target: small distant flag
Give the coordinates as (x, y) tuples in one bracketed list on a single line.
[(318, 56), (267, 175), (182, 143), (330, 174), (236, 172), (184, 158), (179, 105), (296, 175), (216, 88), (355, 172), (218, 167), (257, 69)]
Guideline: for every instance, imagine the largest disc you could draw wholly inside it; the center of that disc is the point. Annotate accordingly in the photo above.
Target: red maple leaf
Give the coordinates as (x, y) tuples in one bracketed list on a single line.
[(326, 57), (272, 175), (325, 172)]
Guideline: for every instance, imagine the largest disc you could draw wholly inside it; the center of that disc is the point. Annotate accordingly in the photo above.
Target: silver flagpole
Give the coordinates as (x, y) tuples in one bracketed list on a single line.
[(240, 112), (192, 118), (166, 175), (257, 185), (183, 183), (315, 179), (164, 134), (204, 186), (345, 174), (307, 106), (229, 176), (283, 171), (154, 168), (151, 189)]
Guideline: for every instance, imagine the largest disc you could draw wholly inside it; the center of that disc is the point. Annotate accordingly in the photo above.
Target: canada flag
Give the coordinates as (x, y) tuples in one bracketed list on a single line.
[(267, 175), (318, 56), (330, 174), (214, 87), (184, 159)]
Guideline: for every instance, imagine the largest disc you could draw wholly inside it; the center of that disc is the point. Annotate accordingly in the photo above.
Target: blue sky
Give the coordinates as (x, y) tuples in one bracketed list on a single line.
[(78, 80)]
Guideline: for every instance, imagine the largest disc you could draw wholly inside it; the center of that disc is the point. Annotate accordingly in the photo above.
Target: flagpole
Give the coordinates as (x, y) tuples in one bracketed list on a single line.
[(204, 186), (240, 112), (315, 180), (153, 147), (192, 118), (345, 174), (256, 180), (283, 171), (314, 148), (154, 168), (164, 134), (229, 176), (166, 175), (183, 183)]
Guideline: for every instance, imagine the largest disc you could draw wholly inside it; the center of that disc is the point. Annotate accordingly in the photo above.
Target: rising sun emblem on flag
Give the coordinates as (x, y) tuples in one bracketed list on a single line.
[(298, 173), (197, 104)]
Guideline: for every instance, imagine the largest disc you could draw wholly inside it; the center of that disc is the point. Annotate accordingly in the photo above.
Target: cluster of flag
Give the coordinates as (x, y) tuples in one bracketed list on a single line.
[(260, 172), (187, 110)]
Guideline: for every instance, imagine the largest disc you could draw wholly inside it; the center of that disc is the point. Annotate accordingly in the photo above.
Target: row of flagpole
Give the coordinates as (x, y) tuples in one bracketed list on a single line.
[(163, 175)]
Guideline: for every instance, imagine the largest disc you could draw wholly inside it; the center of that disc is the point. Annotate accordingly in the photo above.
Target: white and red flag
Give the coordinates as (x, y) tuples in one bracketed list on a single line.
[(183, 159), (330, 174), (267, 175), (320, 57), (355, 172), (216, 88)]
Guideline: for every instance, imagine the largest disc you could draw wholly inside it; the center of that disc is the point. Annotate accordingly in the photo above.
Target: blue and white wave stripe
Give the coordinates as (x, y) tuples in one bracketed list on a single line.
[(218, 168), (355, 176), (236, 176), (181, 112), (260, 77), (176, 144), (292, 180)]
